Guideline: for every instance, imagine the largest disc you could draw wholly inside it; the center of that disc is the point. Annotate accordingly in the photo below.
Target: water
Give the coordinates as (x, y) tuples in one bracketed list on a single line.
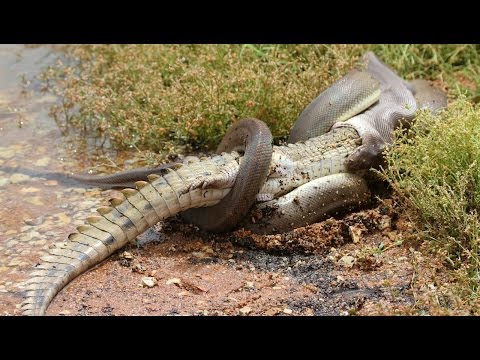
[(36, 211)]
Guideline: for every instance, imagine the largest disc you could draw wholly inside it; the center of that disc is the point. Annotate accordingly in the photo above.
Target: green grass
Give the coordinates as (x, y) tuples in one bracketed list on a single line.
[(434, 170), (178, 98)]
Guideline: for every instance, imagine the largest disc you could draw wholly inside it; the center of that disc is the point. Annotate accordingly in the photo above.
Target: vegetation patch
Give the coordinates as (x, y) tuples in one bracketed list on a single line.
[(178, 98), (434, 170)]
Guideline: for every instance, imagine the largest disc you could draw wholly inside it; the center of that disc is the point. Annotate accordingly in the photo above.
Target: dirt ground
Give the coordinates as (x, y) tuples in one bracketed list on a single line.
[(349, 266)]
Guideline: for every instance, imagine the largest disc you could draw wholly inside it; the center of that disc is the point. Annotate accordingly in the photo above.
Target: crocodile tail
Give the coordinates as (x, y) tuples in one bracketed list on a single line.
[(93, 242), (127, 217)]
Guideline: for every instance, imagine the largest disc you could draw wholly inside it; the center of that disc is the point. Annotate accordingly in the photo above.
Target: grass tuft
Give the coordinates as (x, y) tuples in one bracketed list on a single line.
[(434, 170), (179, 98)]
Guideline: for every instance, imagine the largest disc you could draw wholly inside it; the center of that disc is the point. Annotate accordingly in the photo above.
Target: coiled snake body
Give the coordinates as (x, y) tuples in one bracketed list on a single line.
[(292, 185), (371, 99)]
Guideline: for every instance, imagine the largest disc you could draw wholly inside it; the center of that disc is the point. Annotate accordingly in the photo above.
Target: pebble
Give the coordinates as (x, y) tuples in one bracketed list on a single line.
[(287, 311), (34, 222), (246, 310), (18, 178), (355, 233), (29, 190), (385, 222), (347, 261), (50, 183), (249, 284), (63, 218), (175, 281), (149, 282), (7, 153), (44, 161), (127, 255)]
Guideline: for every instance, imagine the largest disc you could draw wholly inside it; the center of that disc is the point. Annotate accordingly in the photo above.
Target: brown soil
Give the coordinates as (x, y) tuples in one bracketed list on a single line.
[(329, 268)]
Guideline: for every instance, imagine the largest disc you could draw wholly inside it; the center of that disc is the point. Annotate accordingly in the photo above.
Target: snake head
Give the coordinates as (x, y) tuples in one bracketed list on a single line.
[(368, 155)]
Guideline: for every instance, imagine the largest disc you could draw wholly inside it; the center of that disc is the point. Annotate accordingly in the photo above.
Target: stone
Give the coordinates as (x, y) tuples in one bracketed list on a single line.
[(149, 282), (34, 222), (44, 161), (18, 178), (175, 281), (7, 153), (29, 190), (246, 310), (347, 261)]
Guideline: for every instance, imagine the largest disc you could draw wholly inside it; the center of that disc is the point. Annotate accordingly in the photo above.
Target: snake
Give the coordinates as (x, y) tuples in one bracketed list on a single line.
[(368, 94)]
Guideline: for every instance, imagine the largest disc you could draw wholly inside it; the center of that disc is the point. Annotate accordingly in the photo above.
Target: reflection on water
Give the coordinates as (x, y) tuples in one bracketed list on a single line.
[(36, 211)]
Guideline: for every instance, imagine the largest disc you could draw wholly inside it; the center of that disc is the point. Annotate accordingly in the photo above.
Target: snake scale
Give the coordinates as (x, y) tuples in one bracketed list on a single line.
[(337, 137)]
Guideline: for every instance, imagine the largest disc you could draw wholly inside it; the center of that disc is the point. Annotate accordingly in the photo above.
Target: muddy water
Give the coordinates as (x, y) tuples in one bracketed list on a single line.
[(36, 210)]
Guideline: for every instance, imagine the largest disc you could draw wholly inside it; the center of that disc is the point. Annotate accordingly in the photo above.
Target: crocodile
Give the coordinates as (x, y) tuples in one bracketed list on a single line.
[(297, 173)]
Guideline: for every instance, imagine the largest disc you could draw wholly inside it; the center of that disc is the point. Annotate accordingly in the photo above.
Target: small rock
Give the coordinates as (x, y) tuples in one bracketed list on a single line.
[(63, 218), (18, 178), (4, 181), (272, 311), (42, 161), (139, 268), (149, 282), (175, 281), (309, 312), (355, 233), (246, 310), (50, 183), (249, 284), (29, 190), (347, 261), (126, 255), (385, 222), (201, 255), (64, 312), (34, 222), (287, 311), (7, 153)]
